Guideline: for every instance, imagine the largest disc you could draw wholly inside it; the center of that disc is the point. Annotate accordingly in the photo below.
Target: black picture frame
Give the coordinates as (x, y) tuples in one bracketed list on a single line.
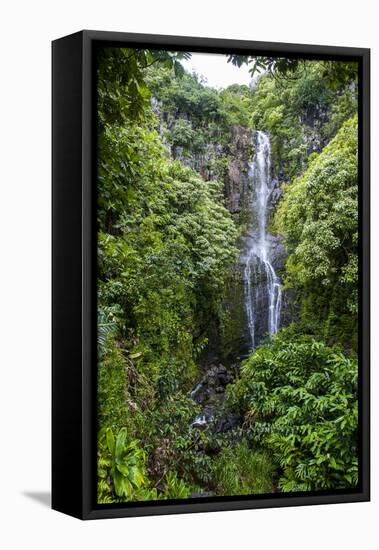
[(74, 272)]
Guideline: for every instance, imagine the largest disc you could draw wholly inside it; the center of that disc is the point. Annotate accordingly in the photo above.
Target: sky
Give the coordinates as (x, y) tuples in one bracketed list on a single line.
[(216, 70)]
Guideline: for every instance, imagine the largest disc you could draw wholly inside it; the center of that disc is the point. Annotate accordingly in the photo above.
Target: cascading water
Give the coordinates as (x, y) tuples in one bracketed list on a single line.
[(262, 291), (263, 294)]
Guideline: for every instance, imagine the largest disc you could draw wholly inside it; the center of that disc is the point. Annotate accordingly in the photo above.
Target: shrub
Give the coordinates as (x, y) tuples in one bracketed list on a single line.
[(121, 468), (239, 470), (299, 398)]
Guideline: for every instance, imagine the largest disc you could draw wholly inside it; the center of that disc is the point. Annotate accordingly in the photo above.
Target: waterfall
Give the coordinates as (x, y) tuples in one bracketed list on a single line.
[(261, 284)]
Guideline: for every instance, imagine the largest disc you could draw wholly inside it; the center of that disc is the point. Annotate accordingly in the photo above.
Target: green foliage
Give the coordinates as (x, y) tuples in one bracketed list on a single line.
[(121, 87), (174, 245), (236, 105), (175, 487), (302, 114), (182, 134), (121, 468), (167, 252), (197, 121), (165, 246), (299, 398), (106, 327), (165, 243), (187, 96), (238, 470), (112, 386), (336, 74), (319, 219)]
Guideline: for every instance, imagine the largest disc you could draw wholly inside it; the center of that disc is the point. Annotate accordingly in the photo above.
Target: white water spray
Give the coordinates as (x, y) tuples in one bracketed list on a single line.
[(258, 265)]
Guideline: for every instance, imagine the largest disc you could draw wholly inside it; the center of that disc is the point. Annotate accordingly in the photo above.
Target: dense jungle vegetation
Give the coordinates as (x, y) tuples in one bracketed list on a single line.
[(168, 246)]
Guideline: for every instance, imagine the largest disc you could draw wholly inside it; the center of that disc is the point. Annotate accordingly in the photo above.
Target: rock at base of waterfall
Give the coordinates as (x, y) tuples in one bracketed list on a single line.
[(214, 382), (210, 393)]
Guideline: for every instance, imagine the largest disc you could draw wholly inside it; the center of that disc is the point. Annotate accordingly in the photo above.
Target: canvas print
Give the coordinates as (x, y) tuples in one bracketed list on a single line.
[(227, 275)]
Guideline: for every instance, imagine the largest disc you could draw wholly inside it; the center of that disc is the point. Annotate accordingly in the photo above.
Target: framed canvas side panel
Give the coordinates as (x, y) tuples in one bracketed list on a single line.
[(89, 271), (364, 274), (67, 479)]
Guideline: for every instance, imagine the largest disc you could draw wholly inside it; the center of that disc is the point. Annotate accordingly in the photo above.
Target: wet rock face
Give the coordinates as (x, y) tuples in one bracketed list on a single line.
[(276, 196), (235, 185), (238, 154), (233, 339), (213, 384), (200, 162), (278, 252), (313, 120), (237, 177)]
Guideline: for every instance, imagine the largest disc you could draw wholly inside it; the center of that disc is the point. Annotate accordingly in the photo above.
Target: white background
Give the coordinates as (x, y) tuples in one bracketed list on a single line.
[(27, 27)]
